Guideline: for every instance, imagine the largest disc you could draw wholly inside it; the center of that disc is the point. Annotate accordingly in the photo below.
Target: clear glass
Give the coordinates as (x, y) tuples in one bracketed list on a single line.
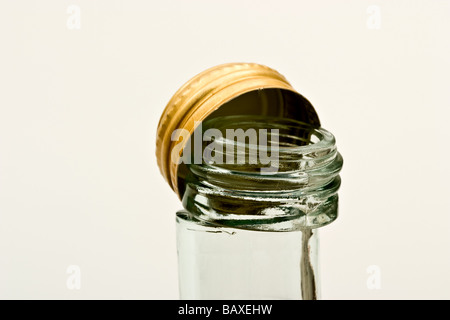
[(246, 234), (228, 263)]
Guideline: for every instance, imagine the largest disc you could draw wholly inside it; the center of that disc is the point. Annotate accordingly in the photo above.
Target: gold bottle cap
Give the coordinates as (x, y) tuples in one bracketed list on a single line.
[(228, 89)]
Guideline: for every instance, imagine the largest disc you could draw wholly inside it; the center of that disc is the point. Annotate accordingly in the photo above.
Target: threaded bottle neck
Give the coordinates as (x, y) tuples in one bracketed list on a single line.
[(263, 173)]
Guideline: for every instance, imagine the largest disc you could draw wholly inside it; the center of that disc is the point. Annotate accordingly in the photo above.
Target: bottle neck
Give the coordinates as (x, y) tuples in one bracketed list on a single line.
[(260, 173)]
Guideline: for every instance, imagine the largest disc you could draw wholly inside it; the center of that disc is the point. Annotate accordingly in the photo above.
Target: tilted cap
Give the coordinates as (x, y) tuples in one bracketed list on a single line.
[(228, 89)]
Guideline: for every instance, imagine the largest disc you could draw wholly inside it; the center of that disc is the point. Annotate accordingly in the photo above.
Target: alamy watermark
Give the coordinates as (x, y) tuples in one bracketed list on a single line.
[(73, 281), (374, 279), (374, 18), (236, 147), (74, 18)]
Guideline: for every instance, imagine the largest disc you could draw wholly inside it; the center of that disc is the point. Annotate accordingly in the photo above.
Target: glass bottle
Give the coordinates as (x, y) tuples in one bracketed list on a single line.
[(253, 201), (247, 233)]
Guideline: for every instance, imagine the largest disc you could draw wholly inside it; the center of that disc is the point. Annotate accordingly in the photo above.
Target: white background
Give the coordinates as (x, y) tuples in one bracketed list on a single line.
[(79, 108)]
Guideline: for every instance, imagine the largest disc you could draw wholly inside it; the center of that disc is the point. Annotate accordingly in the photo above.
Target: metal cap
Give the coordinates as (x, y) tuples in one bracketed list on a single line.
[(228, 89)]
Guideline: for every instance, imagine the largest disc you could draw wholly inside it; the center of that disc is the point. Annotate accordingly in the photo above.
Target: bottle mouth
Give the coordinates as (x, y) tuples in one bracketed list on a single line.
[(262, 173)]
